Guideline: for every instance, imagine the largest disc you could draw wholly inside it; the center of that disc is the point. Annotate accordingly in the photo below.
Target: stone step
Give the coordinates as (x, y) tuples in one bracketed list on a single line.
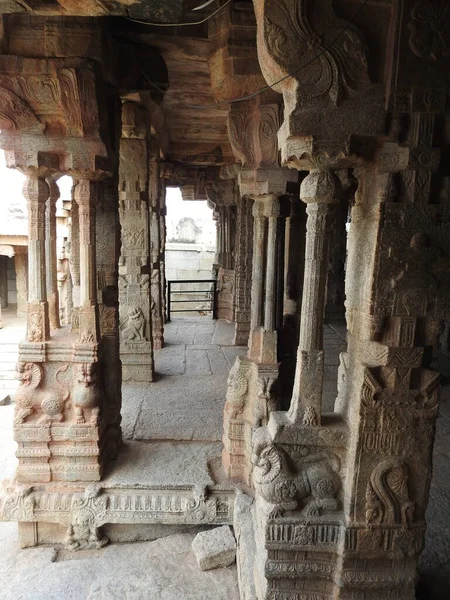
[(157, 483)]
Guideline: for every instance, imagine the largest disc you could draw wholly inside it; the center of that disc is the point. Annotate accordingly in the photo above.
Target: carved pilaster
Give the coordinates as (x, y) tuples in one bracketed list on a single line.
[(244, 256), (36, 192), (86, 198), (51, 256), (319, 190)]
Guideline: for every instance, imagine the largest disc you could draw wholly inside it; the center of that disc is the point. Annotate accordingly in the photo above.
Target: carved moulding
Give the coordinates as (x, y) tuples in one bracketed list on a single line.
[(250, 399), (83, 514)]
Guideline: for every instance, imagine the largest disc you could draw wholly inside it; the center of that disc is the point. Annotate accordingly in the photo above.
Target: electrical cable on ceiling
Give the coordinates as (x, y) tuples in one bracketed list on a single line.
[(271, 86), (181, 24)]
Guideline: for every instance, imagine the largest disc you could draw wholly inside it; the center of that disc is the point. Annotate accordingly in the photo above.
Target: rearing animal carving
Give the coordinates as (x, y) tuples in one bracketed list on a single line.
[(312, 486), (29, 398)]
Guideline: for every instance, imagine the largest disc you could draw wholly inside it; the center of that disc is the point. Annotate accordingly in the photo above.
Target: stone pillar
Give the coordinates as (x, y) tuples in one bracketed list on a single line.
[(157, 304), (335, 301), (263, 337), (3, 281), (21, 265), (86, 198), (319, 190), (74, 261), (244, 252), (51, 255), (36, 192), (136, 346)]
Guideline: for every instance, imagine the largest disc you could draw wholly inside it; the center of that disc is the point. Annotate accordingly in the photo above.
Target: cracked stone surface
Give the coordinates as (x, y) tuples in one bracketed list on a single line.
[(165, 569)]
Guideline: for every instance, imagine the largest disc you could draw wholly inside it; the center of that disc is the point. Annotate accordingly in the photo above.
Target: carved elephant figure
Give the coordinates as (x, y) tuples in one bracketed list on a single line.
[(29, 398), (311, 486)]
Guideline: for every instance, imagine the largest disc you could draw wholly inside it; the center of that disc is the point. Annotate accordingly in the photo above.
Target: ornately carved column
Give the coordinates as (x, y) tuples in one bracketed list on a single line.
[(244, 251), (36, 191), (51, 256), (136, 302), (319, 191)]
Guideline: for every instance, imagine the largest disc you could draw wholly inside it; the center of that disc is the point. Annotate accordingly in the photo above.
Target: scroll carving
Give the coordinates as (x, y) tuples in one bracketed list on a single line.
[(294, 35), (387, 496), (15, 114)]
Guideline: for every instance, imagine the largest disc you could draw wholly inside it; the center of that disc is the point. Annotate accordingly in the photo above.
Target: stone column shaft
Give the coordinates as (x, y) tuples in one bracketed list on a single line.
[(36, 191), (257, 268), (21, 266), (271, 275), (86, 197), (319, 191), (51, 256)]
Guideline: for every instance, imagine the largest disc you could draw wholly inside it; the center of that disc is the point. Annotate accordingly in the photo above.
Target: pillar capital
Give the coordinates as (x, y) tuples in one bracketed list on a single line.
[(85, 192), (320, 187), (35, 189), (263, 182)]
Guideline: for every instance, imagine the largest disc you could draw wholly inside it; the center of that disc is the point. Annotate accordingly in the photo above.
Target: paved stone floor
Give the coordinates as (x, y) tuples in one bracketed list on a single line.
[(186, 404)]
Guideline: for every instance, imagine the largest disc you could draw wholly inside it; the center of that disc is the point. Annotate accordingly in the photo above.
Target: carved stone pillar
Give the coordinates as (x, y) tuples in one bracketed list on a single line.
[(263, 337), (157, 303), (244, 256), (74, 260), (21, 266), (135, 288), (51, 255), (335, 302), (319, 191), (36, 192), (86, 198)]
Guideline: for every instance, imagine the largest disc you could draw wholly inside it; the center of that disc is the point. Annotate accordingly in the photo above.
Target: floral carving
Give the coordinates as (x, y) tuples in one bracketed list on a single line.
[(430, 29)]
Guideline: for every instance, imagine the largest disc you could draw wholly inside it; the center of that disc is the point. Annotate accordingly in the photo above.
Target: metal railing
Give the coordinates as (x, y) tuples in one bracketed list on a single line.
[(210, 296)]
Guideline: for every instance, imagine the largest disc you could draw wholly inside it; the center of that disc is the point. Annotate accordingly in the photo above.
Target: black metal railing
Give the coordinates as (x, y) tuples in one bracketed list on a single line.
[(210, 296)]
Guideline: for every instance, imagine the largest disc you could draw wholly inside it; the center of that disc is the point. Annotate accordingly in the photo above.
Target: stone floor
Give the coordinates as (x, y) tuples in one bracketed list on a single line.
[(185, 404)]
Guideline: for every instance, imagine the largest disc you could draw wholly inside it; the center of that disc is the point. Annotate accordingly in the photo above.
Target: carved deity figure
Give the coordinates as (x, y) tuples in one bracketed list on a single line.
[(86, 512), (134, 326)]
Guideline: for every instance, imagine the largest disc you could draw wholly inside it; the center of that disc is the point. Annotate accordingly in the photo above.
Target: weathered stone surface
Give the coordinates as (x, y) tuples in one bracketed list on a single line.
[(215, 548)]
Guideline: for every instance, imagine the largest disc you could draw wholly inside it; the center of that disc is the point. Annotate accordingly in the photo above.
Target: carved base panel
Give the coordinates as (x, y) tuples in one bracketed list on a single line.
[(242, 331), (137, 362), (63, 413), (300, 559), (81, 512), (249, 402)]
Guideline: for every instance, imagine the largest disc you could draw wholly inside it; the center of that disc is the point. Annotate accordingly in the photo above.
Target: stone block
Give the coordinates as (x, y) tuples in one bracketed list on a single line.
[(214, 549)]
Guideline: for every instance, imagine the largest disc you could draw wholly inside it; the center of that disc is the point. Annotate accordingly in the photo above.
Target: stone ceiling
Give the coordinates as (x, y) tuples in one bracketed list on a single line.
[(198, 137)]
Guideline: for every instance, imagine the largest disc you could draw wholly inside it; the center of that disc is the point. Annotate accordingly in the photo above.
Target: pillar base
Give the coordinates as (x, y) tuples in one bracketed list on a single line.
[(250, 399)]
